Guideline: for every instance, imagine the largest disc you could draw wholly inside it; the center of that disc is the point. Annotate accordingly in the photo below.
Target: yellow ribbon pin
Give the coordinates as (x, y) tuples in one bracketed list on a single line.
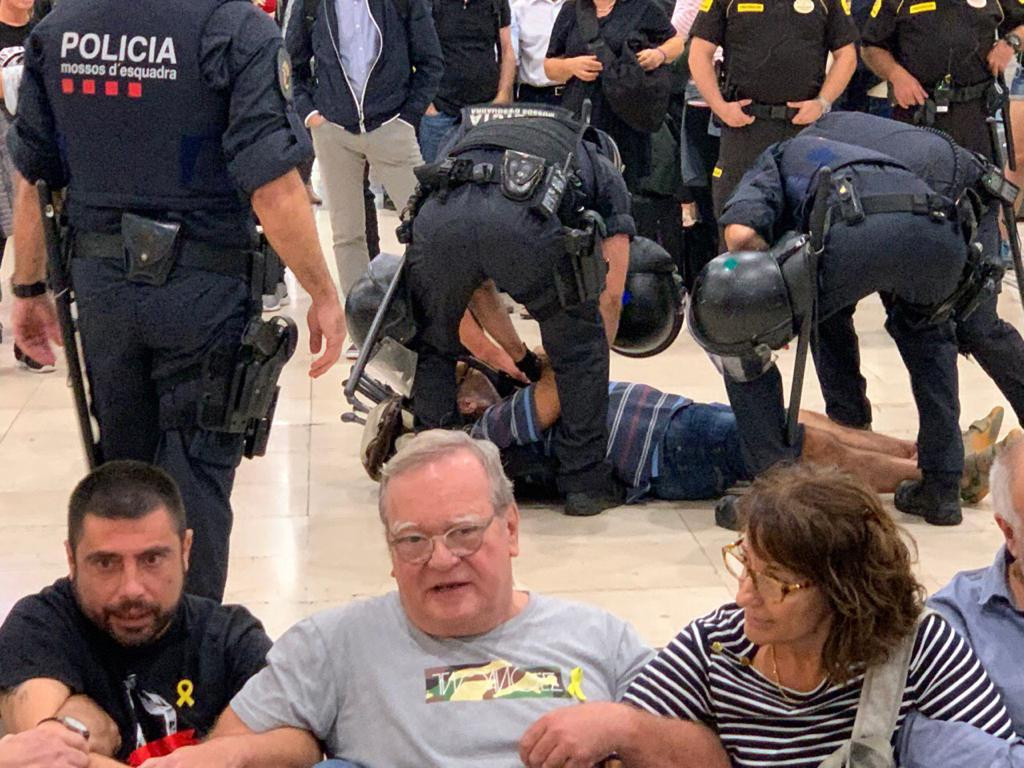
[(575, 688), (185, 689)]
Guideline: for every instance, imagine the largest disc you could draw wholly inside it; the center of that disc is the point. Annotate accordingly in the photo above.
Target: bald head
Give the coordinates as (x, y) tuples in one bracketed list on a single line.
[(1007, 484)]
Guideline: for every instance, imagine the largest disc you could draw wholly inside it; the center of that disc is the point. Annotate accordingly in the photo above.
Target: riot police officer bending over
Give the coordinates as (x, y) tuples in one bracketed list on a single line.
[(168, 124), (890, 232), (774, 79), (522, 201)]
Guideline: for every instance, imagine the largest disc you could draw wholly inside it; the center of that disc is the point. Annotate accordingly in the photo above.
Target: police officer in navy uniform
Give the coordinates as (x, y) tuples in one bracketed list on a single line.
[(490, 212), (921, 245), (169, 122), (774, 80), (940, 58)]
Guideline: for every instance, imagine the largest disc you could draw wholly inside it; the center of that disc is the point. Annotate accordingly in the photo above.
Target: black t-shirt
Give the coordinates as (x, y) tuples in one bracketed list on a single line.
[(468, 31), (183, 681), (629, 20), (775, 50), (11, 36), (938, 37)]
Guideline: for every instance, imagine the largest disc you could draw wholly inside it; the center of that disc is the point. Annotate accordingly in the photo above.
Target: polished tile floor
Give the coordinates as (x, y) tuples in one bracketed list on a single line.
[(307, 535)]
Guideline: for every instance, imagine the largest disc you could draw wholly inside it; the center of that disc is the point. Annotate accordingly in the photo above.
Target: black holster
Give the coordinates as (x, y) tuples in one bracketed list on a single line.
[(239, 387), (150, 248), (585, 279)]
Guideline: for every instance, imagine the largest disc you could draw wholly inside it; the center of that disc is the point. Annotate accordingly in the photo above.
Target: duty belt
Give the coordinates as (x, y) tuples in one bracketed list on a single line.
[(770, 111), (231, 262), (965, 93), (922, 205)]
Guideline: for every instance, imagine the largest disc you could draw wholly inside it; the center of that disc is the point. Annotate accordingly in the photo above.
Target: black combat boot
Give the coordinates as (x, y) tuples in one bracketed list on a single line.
[(936, 501)]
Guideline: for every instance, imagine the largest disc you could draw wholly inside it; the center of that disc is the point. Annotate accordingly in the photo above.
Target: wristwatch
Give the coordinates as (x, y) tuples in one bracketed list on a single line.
[(28, 290), (72, 724), (1013, 40), (826, 105)]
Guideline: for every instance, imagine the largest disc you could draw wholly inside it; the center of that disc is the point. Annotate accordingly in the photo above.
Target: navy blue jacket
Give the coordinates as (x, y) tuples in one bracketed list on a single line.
[(402, 82)]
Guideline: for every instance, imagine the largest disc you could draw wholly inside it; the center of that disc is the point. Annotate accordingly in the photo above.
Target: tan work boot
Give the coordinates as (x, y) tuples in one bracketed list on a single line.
[(983, 432), (974, 483)]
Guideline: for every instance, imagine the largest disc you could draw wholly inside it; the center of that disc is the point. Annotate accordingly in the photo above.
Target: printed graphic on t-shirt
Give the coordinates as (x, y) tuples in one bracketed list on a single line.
[(493, 680)]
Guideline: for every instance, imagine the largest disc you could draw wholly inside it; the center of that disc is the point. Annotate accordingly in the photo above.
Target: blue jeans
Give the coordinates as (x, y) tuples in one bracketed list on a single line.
[(433, 129), (701, 455)]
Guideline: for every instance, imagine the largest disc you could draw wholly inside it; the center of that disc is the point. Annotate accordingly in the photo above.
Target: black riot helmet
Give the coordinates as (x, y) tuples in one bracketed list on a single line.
[(366, 296), (745, 301), (652, 303)]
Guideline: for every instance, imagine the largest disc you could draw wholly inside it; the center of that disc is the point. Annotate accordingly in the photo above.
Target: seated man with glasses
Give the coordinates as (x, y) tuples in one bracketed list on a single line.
[(825, 594), (452, 668)]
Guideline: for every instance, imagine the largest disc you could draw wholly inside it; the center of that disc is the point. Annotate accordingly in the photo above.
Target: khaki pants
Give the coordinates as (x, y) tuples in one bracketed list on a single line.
[(392, 152)]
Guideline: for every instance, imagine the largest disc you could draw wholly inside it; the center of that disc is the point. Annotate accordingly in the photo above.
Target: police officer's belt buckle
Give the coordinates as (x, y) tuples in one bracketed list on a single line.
[(150, 248), (520, 175)]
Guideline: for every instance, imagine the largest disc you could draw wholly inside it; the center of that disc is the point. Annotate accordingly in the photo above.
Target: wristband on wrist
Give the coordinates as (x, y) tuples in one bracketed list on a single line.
[(530, 365), (28, 290), (826, 105), (73, 725), (1013, 40), (664, 56)]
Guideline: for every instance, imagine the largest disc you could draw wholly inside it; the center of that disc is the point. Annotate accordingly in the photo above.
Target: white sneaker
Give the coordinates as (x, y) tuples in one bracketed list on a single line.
[(352, 353), (271, 302), (281, 292)]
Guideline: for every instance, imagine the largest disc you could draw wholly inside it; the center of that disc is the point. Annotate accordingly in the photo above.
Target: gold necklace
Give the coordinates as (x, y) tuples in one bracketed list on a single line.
[(775, 672)]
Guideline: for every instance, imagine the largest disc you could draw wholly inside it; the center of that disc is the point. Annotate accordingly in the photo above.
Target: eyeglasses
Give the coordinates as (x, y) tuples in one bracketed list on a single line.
[(770, 589), (461, 540)]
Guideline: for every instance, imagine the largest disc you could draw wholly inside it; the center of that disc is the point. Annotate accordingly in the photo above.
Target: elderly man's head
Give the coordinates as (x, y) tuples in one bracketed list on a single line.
[(453, 528), (1007, 483)]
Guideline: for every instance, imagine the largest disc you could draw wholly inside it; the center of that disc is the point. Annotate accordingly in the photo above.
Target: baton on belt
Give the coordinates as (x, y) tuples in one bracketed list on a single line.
[(1008, 208), (64, 296)]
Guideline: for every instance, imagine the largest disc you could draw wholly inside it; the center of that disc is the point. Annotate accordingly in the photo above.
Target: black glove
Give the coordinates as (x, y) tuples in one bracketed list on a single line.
[(531, 366)]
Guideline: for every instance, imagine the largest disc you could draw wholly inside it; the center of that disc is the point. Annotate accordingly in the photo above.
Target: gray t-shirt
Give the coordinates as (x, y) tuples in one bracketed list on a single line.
[(376, 690)]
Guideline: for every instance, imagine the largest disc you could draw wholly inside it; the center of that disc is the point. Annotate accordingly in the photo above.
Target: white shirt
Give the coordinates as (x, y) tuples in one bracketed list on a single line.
[(532, 21)]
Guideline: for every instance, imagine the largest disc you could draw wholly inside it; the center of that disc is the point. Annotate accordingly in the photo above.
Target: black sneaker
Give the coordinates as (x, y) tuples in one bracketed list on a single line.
[(30, 364), (583, 504), (938, 506)]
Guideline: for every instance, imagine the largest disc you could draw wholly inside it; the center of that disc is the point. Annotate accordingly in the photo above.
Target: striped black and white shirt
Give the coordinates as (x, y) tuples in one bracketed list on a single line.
[(705, 675)]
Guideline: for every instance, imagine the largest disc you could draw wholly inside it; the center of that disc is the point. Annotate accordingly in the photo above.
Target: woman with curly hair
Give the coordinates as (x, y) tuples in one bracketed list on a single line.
[(825, 593)]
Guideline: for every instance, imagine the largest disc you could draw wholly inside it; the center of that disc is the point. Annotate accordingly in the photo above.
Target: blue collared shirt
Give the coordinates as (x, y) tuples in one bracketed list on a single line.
[(981, 608), (358, 43)]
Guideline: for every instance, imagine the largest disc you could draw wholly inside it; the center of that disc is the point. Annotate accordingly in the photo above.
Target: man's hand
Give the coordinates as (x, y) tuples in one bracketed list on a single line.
[(325, 320), (572, 737), (906, 90), (731, 113), (807, 111), (585, 68), (651, 58), (35, 326), (215, 753), (999, 57), (44, 747)]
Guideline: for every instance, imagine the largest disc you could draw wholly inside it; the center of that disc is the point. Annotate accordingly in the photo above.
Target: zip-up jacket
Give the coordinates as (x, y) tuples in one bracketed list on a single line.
[(403, 78)]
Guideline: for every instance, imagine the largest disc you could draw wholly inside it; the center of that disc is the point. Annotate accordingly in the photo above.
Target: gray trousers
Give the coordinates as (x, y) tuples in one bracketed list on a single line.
[(392, 151)]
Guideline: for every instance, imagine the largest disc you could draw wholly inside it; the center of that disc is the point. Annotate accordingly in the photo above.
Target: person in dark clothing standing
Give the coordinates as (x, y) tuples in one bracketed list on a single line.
[(480, 65), (633, 23), (774, 76)]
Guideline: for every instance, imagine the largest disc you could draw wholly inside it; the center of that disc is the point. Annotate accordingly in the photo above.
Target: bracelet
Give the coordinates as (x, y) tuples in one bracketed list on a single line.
[(664, 56), (28, 290)]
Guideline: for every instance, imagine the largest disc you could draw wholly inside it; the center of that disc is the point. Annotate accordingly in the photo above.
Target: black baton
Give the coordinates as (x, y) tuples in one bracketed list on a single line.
[(63, 294)]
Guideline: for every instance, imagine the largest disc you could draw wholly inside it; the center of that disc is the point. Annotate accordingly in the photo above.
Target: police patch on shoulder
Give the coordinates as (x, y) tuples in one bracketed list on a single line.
[(284, 73)]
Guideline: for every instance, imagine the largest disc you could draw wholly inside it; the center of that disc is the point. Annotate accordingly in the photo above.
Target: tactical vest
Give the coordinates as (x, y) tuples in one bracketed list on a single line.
[(139, 126), (804, 155), (546, 137)]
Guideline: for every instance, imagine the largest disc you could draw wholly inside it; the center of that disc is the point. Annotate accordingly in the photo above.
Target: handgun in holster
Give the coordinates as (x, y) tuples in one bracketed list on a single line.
[(239, 387), (586, 261)]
